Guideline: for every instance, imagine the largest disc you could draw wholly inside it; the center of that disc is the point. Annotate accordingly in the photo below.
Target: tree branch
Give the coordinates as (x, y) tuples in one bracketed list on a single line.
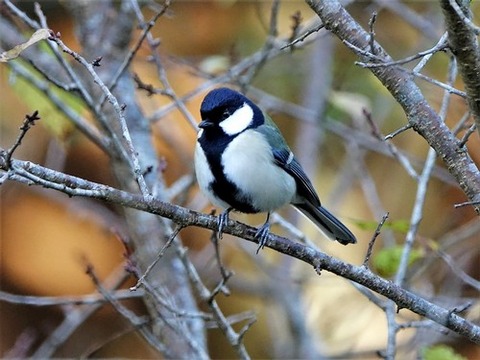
[(463, 43), (29, 173), (420, 114)]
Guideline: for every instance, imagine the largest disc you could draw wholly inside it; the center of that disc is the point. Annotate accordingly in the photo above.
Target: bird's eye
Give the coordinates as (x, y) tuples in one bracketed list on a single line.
[(225, 114)]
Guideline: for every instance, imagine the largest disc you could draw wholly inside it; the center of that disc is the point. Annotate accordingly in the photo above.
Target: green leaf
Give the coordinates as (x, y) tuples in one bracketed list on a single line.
[(386, 261), (52, 118), (441, 352), (400, 226)]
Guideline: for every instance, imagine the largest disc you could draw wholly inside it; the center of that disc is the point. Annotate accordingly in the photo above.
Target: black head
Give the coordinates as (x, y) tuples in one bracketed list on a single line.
[(229, 112)]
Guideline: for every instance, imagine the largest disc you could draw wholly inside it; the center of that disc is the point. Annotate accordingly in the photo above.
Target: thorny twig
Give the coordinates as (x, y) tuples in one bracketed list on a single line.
[(138, 323), (441, 45), (401, 158), (132, 154), (225, 273), (160, 254), (371, 25), (77, 120), (146, 27), (27, 124), (467, 135), (67, 300), (296, 24), (303, 37), (374, 238), (161, 72)]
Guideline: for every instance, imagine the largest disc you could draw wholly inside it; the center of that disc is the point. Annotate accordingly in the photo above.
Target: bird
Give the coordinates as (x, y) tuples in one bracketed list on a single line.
[(243, 164)]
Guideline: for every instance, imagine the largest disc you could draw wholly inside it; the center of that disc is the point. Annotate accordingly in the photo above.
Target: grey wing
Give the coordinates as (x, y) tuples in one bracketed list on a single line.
[(284, 158), (307, 199), (308, 202)]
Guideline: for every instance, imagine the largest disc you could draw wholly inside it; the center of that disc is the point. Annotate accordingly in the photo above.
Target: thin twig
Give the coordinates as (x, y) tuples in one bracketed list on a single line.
[(440, 84), (137, 322), (467, 203), (302, 37), (141, 280), (22, 15), (77, 120), (131, 54), (424, 25), (467, 279), (67, 300), (462, 123), (178, 103), (371, 243), (401, 158), (467, 135), (422, 187), (78, 85), (133, 156), (371, 25), (27, 124), (234, 338), (226, 274), (245, 79), (74, 318), (398, 132), (441, 45)]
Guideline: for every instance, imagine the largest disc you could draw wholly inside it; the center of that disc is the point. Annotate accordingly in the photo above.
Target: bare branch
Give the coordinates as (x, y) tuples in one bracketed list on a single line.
[(160, 254), (133, 157), (67, 300), (24, 171), (440, 46), (420, 115), (462, 39)]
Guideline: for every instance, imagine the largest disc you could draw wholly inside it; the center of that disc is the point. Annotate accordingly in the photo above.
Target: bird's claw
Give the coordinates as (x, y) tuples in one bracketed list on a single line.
[(262, 235), (222, 222)]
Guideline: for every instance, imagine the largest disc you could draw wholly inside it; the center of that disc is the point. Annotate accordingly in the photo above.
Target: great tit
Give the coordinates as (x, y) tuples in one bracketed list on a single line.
[(243, 163)]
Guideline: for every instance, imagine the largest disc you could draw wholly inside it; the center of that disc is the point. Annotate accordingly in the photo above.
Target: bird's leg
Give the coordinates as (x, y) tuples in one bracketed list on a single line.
[(262, 233), (222, 221)]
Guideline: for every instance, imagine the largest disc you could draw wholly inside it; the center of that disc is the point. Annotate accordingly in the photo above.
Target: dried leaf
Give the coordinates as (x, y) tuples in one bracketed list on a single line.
[(353, 104), (40, 34)]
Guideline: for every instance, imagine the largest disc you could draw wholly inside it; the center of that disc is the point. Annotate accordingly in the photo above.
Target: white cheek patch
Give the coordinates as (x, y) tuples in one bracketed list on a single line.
[(199, 134), (238, 121)]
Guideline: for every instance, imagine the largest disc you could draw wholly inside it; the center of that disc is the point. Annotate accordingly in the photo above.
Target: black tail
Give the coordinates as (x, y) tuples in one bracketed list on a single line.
[(328, 223)]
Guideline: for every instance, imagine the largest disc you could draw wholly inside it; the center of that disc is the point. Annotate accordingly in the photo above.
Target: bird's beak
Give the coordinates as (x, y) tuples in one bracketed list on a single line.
[(205, 124)]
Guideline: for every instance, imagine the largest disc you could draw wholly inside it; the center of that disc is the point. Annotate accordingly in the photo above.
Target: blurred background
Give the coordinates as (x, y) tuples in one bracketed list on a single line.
[(47, 238)]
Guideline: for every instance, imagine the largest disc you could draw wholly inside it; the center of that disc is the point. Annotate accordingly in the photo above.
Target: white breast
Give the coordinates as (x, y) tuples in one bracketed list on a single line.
[(248, 162)]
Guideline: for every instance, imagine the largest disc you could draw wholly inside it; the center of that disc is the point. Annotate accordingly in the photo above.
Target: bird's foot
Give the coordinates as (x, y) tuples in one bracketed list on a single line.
[(223, 221), (262, 235)]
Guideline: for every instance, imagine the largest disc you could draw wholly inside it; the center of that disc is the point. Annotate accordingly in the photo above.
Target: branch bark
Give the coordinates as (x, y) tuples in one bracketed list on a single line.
[(32, 174), (464, 45)]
